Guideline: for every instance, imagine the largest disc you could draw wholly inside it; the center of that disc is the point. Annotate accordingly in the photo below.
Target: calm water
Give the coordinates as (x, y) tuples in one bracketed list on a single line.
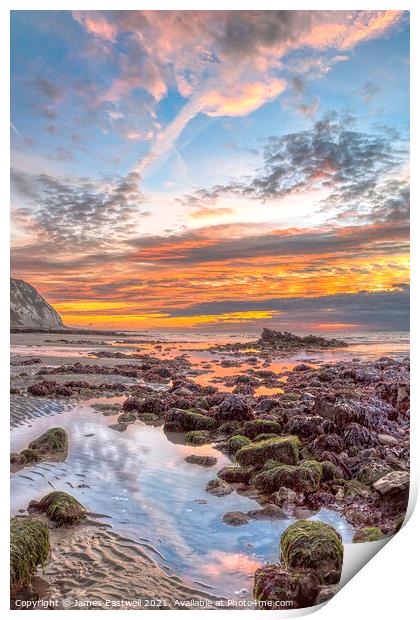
[(140, 480)]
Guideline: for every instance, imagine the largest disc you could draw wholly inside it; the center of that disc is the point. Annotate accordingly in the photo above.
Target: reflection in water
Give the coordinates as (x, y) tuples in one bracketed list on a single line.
[(142, 482)]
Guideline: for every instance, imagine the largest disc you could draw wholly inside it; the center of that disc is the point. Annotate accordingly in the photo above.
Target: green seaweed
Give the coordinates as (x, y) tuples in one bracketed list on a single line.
[(53, 440), (305, 477), (368, 534), (237, 442), (253, 428), (190, 420), (29, 548), (283, 449), (61, 508), (197, 438), (312, 545)]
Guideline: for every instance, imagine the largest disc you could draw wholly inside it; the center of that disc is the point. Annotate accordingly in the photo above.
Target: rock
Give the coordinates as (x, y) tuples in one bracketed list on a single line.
[(31, 456), (131, 404), (29, 548), (358, 436), (236, 474), (254, 428), (388, 440), (393, 482), (304, 425), (284, 497), (274, 585), (326, 443), (17, 459), (119, 426), (271, 512), (368, 534), (180, 420), (128, 417), (218, 487), (305, 477), (234, 407), (198, 459), (371, 471), (183, 391), (330, 471), (282, 449), (52, 441), (235, 518), (236, 442), (312, 545), (354, 489), (363, 515), (60, 507), (325, 594), (197, 438)]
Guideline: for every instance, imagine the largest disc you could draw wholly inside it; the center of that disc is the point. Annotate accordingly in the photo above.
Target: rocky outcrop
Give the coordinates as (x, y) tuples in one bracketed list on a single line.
[(29, 309)]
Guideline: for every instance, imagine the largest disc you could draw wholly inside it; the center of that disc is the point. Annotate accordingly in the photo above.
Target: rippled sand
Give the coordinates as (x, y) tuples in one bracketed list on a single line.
[(91, 563)]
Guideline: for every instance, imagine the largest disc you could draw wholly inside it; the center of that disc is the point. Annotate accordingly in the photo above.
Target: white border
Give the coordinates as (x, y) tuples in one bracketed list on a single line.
[(387, 586)]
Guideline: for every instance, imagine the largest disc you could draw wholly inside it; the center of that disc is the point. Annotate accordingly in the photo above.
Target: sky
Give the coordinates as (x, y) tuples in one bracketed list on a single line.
[(213, 170)]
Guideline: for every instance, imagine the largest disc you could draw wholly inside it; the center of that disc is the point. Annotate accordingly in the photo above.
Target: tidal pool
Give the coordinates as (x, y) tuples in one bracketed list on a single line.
[(140, 480)]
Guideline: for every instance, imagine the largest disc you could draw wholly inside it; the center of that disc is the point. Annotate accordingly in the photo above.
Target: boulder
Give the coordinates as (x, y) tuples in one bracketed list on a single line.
[(235, 518), (274, 585), (234, 407), (312, 545), (218, 487), (180, 420), (60, 507), (368, 534), (236, 474), (305, 477), (282, 449), (256, 427), (199, 459), (236, 442)]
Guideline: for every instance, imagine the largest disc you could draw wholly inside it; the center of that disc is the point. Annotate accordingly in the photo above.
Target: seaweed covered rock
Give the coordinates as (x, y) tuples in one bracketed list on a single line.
[(330, 471), (200, 459), (371, 471), (235, 474), (282, 449), (253, 428), (274, 585), (197, 438), (326, 443), (53, 440), (179, 420), (234, 407), (358, 436), (29, 548), (312, 545), (17, 459), (127, 417), (304, 425), (131, 404), (236, 442), (218, 487), (60, 507), (30, 455), (368, 534), (305, 477), (235, 518), (271, 512)]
